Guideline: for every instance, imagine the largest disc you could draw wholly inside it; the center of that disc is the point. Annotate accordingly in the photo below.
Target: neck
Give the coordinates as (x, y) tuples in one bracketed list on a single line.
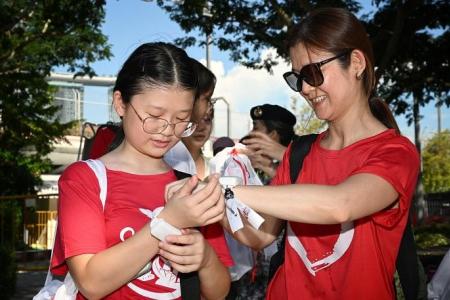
[(356, 124), (127, 159)]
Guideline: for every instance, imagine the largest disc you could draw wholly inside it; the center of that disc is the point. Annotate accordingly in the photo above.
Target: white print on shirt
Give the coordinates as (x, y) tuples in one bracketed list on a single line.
[(340, 247), (161, 270)]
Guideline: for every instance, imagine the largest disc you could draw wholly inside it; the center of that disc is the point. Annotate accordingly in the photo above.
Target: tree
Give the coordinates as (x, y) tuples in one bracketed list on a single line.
[(436, 163), (35, 37), (397, 29)]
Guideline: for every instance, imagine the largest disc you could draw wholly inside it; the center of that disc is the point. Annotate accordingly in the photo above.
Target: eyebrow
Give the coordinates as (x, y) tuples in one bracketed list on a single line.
[(150, 106)]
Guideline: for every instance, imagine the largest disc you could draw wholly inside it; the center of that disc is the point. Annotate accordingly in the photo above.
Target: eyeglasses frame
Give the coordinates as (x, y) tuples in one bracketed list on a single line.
[(317, 65), (166, 122)]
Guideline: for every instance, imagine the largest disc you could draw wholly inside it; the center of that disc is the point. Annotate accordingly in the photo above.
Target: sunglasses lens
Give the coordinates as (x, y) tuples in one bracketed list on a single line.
[(312, 75), (292, 80)]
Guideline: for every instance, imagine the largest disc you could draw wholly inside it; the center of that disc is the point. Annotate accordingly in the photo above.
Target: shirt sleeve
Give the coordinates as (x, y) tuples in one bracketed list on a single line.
[(397, 163), (216, 239), (81, 223)]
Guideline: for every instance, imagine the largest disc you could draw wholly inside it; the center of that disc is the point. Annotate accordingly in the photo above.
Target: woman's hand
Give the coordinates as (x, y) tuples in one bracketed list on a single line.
[(261, 142), (187, 252), (193, 203)]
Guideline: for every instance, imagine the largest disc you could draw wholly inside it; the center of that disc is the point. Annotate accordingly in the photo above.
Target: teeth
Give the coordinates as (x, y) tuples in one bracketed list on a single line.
[(318, 99)]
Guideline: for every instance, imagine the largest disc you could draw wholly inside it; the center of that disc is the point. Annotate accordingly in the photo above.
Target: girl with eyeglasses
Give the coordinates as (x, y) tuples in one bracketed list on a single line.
[(347, 212), (106, 250)]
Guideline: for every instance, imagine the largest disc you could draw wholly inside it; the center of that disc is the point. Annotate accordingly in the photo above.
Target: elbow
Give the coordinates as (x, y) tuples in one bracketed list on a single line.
[(340, 213), (89, 291), (340, 216)]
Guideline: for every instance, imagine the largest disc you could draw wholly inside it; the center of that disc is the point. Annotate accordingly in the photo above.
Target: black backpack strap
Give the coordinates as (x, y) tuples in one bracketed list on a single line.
[(408, 265), (181, 175), (300, 147), (189, 282)]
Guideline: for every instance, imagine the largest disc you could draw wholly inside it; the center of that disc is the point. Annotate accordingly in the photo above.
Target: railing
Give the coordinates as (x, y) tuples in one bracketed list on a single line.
[(39, 230), (22, 225)]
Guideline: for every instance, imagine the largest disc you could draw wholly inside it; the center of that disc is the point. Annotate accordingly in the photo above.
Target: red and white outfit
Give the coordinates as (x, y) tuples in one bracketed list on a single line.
[(84, 227), (355, 260)]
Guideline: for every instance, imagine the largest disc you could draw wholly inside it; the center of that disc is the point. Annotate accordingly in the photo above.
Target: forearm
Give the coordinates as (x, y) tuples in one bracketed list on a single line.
[(316, 204), (256, 239), (102, 273), (214, 277)]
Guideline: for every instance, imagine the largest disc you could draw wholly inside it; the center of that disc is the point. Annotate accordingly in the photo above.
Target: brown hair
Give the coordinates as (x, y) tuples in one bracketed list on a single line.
[(336, 30)]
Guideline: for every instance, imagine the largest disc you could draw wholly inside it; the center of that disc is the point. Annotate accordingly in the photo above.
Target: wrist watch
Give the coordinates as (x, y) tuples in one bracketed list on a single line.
[(160, 229)]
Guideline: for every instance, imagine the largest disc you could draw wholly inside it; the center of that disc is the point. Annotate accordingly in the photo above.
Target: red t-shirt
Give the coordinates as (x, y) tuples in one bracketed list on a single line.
[(354, 260), (85, 228)]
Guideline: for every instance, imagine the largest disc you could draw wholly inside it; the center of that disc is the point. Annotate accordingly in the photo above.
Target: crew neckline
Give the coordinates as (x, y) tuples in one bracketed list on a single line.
[(133, 175), (332, 152)]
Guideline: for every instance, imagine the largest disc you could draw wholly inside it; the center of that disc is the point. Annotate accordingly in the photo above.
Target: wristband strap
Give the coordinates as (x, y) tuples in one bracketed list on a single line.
[(160, 229)]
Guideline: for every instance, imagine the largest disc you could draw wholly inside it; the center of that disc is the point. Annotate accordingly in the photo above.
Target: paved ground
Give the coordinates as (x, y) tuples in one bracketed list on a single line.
[(28, 284), (30, 278)]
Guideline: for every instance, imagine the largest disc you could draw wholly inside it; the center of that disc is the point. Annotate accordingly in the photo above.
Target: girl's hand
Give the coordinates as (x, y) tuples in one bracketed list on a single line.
[(187, 252), (192, 205)]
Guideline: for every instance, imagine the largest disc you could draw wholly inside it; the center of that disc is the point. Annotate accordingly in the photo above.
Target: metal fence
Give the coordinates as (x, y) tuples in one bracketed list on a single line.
[(438, 204)]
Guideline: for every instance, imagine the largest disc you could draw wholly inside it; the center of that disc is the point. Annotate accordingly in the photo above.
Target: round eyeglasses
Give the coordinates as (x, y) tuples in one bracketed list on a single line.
[(155, 125), (311, 74)]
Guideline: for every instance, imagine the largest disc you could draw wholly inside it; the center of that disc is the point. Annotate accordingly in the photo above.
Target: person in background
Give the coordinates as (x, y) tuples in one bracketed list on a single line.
[(273, 130), (105, 249), (187, 156), (347, 212)]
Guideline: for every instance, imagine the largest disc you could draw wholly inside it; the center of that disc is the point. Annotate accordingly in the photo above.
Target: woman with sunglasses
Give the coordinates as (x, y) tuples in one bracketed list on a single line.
[(106, 249), (347, 212)]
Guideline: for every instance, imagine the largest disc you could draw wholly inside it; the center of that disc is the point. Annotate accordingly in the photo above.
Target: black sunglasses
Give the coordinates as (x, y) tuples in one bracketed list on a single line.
[(310, 73)]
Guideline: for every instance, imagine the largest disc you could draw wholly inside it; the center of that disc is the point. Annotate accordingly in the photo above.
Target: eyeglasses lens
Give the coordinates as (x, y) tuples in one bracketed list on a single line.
[(310, 73)]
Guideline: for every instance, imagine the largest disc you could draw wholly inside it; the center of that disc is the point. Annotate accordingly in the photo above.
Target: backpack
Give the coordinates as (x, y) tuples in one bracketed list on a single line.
[(67, 290), (407, 264)]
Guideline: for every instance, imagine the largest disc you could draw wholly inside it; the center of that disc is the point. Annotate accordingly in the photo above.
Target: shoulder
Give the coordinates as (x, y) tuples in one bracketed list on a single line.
[(78, 171), (397, 145)]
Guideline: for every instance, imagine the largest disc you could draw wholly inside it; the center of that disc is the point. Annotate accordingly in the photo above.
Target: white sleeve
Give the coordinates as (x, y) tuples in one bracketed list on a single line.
[(179, 158), (439, 286)]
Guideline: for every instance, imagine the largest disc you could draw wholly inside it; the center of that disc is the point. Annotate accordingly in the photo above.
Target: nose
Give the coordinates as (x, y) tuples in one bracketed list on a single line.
[(306, 88), (169, 130)]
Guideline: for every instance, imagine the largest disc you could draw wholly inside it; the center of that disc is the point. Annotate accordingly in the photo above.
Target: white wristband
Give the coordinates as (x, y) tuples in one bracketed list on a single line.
[(160, 229)]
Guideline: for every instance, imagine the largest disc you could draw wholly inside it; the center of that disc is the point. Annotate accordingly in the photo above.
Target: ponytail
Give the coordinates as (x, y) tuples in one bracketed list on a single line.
[(383, 113)]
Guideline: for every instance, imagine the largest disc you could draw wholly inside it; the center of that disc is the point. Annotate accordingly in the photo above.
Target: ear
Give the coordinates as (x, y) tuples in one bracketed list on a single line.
[(358, 63), (118, 103), (274, 135)]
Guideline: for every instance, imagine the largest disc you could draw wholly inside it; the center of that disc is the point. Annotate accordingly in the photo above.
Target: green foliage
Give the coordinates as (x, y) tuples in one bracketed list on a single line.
[(433, 235), (307, 122), (436, 163), (36, 37), (397, 29)]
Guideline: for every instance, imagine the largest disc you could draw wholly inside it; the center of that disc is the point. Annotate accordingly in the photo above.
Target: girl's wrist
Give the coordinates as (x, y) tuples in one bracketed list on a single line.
[(209, 258)]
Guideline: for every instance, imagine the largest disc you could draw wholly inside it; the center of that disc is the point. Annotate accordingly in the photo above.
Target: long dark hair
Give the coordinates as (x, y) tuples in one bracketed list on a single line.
[(336, 30), (154, 65)]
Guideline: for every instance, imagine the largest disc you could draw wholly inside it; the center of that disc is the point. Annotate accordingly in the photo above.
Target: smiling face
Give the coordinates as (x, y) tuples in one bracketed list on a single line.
[(170, 103), (340, 88)]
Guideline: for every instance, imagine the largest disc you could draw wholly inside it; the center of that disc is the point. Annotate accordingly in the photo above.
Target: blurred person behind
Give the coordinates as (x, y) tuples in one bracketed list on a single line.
[(273, 130)]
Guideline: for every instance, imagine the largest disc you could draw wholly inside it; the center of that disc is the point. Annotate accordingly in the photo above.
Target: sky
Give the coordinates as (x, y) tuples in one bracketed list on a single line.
[(131, 23)]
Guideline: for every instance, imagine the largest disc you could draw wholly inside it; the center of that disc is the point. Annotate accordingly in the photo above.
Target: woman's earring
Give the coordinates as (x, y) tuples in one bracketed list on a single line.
[(359, 76)]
